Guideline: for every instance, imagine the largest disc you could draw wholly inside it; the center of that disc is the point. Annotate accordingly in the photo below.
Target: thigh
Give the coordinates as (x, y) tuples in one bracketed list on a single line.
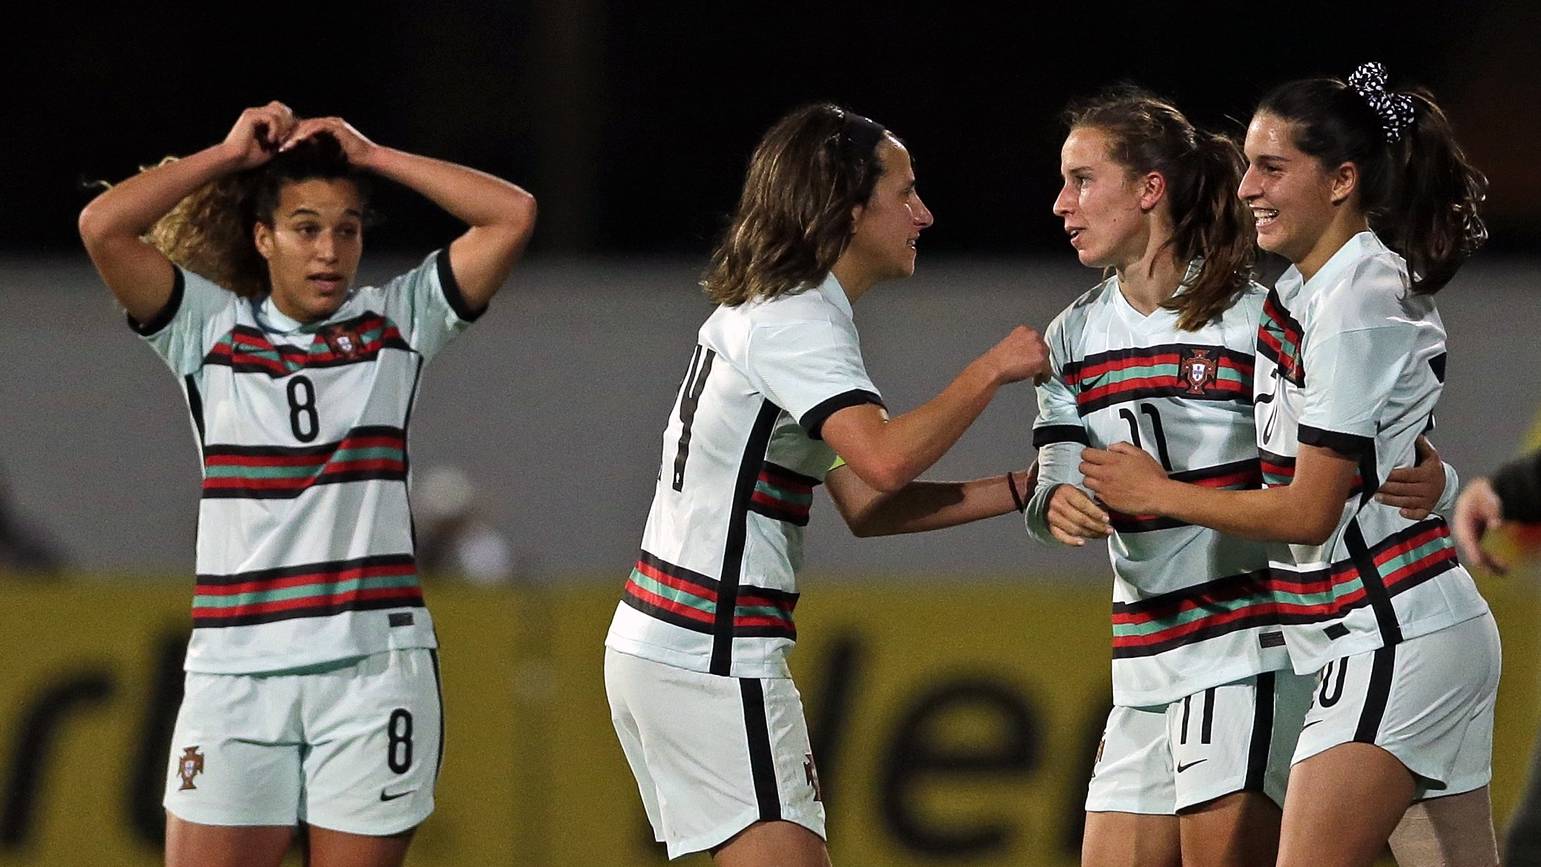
[(1238, 830), (190, 844), (1342, 806), (236, 752), (1130, 840), (773, 844), (1236, 738), (330, 848), (1456, 830), (720, 753), (374, 733)]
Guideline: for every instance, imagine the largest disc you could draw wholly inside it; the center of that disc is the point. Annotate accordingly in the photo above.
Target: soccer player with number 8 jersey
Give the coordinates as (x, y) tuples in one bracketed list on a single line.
[(312, 674)]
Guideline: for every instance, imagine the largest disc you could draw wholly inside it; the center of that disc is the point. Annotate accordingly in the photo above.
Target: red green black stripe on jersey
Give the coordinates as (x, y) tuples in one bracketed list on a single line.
[(248, 350), (1402, 560), (1279, 470), (1273, 597), (1235, 476), (1139, 373), (1278, 339), (307, 590), (688, 599), (782, 494), (276, 472)]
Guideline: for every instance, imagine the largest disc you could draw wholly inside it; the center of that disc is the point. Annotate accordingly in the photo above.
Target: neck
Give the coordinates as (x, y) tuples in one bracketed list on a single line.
[(854, 278), (1345, 225), (1148, 282)]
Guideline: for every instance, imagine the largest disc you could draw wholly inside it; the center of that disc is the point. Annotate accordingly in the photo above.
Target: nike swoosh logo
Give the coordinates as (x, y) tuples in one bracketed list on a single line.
[(1309, 724), (1182, 767), (385, 797)]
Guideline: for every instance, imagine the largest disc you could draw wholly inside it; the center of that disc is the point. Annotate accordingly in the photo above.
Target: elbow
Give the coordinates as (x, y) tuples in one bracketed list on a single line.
[(1313, 531), (91, 225), (890, 478), (522, 211)]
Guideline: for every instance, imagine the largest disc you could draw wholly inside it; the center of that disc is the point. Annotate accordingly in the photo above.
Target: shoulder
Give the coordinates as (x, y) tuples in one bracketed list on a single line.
[(1088, 308), (1371, 291)]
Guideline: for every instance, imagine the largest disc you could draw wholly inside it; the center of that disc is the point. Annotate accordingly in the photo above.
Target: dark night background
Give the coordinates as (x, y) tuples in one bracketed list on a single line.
[(632, 121)]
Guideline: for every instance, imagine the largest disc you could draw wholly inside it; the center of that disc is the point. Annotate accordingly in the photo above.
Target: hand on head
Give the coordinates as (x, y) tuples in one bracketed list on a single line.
[(259, 132), (355, 146)]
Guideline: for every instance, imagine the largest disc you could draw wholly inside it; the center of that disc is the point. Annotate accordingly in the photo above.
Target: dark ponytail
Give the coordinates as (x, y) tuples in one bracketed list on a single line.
[(1417, 189), (1202, 171)]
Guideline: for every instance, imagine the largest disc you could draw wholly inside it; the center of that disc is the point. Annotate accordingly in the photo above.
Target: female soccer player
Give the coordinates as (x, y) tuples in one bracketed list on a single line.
[(695, 665), (312, 679), (1370, 197)]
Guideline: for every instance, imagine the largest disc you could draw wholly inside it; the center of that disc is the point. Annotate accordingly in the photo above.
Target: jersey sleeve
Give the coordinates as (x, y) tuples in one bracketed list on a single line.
[(1353, 350), (180, 332), (811, 369), (427, 306), (1058, 434)]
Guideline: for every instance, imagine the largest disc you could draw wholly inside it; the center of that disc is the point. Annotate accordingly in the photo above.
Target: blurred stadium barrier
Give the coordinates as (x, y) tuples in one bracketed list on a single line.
[(951, 724)]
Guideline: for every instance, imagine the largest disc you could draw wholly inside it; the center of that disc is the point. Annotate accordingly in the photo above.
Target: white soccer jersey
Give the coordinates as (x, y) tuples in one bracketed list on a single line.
[(305, 551), (715, 583), (1191, 607), (1352, 360)]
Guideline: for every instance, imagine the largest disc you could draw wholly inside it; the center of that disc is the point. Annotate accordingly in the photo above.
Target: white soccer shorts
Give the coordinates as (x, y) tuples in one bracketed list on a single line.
[(1427, 700), (1236, 737), (712, 755), (353, 748)]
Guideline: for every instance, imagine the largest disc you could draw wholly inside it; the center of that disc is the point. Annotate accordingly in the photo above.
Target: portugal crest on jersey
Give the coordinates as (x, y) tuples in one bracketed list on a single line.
[(189, 766), (343, 340), (1198, 370)]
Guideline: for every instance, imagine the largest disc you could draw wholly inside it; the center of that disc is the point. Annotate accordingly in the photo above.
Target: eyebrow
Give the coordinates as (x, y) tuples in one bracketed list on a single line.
[(311, 212)]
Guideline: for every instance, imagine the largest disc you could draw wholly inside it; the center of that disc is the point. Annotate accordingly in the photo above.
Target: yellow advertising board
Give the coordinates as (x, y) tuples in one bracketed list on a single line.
[(953, 721)]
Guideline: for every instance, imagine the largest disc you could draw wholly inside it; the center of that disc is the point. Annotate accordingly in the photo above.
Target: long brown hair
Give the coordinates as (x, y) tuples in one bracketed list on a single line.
[(794, 216), (1202, 170), (1417, 189), (209, 232)]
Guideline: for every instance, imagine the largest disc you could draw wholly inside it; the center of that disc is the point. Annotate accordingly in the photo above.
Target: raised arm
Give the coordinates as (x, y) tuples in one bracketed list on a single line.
[(888, 454), (501, 215), (113, 224)]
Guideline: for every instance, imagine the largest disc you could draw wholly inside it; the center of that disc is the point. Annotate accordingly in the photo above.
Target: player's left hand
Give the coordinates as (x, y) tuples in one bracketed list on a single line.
[(355, 146), (1417, 488), (1124, 478)]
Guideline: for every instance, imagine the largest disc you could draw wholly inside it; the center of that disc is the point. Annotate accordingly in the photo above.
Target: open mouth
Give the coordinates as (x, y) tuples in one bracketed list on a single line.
[(1074, 232), (326, 281), (1265, 216)]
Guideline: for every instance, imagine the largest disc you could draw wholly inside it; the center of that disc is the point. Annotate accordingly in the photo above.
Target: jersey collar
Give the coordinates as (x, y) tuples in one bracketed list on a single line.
[(1360, 246), (835, 293)]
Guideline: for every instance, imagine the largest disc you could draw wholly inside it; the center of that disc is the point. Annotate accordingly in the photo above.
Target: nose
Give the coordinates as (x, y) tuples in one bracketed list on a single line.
[(1250, 188), (326, 247), (922, 214), (1064, 203)]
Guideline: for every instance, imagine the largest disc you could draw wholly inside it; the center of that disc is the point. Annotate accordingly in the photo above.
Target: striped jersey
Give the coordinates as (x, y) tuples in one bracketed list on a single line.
[(305, 549), (715, 584), (1353, 361), (1191, 607)]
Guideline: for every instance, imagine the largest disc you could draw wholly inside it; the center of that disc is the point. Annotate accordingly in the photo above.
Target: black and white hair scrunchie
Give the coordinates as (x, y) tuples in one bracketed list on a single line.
[(1394, 109)]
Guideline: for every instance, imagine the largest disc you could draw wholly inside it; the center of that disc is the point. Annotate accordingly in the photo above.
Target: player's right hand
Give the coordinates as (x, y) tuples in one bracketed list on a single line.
[(258, 132), (1073, 517), (1022, 355)]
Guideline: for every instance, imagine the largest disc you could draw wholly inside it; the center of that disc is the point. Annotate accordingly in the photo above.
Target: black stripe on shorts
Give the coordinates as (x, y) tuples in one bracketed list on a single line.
[(1262, 732), (1376, 695), (762, 767)]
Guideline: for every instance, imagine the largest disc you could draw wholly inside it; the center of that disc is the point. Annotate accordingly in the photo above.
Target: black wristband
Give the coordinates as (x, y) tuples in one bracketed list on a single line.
[(1011, 483)]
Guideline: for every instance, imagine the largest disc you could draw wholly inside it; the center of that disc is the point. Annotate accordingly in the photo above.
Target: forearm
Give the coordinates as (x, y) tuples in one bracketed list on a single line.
[(1279, 514), (129, 209), (923, 505), (475, 198)]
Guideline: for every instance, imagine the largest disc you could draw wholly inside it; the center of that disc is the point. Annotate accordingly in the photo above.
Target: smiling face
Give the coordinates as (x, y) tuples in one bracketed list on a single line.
[(1298, 203), (1101, 202), (312, 246), (887, 226)]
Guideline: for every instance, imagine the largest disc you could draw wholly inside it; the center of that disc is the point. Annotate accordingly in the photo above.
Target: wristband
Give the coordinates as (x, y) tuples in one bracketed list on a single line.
[(1011, 483)]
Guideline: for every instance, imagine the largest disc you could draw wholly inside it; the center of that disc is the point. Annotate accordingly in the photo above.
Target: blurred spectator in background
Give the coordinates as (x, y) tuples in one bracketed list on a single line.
[(1512, 494), (24, 549), (454, 541)]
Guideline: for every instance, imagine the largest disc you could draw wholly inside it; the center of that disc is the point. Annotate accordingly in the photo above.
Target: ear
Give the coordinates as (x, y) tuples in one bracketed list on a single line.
[(856, 212), (1152, 190), (1343, 182), (262, 236)]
